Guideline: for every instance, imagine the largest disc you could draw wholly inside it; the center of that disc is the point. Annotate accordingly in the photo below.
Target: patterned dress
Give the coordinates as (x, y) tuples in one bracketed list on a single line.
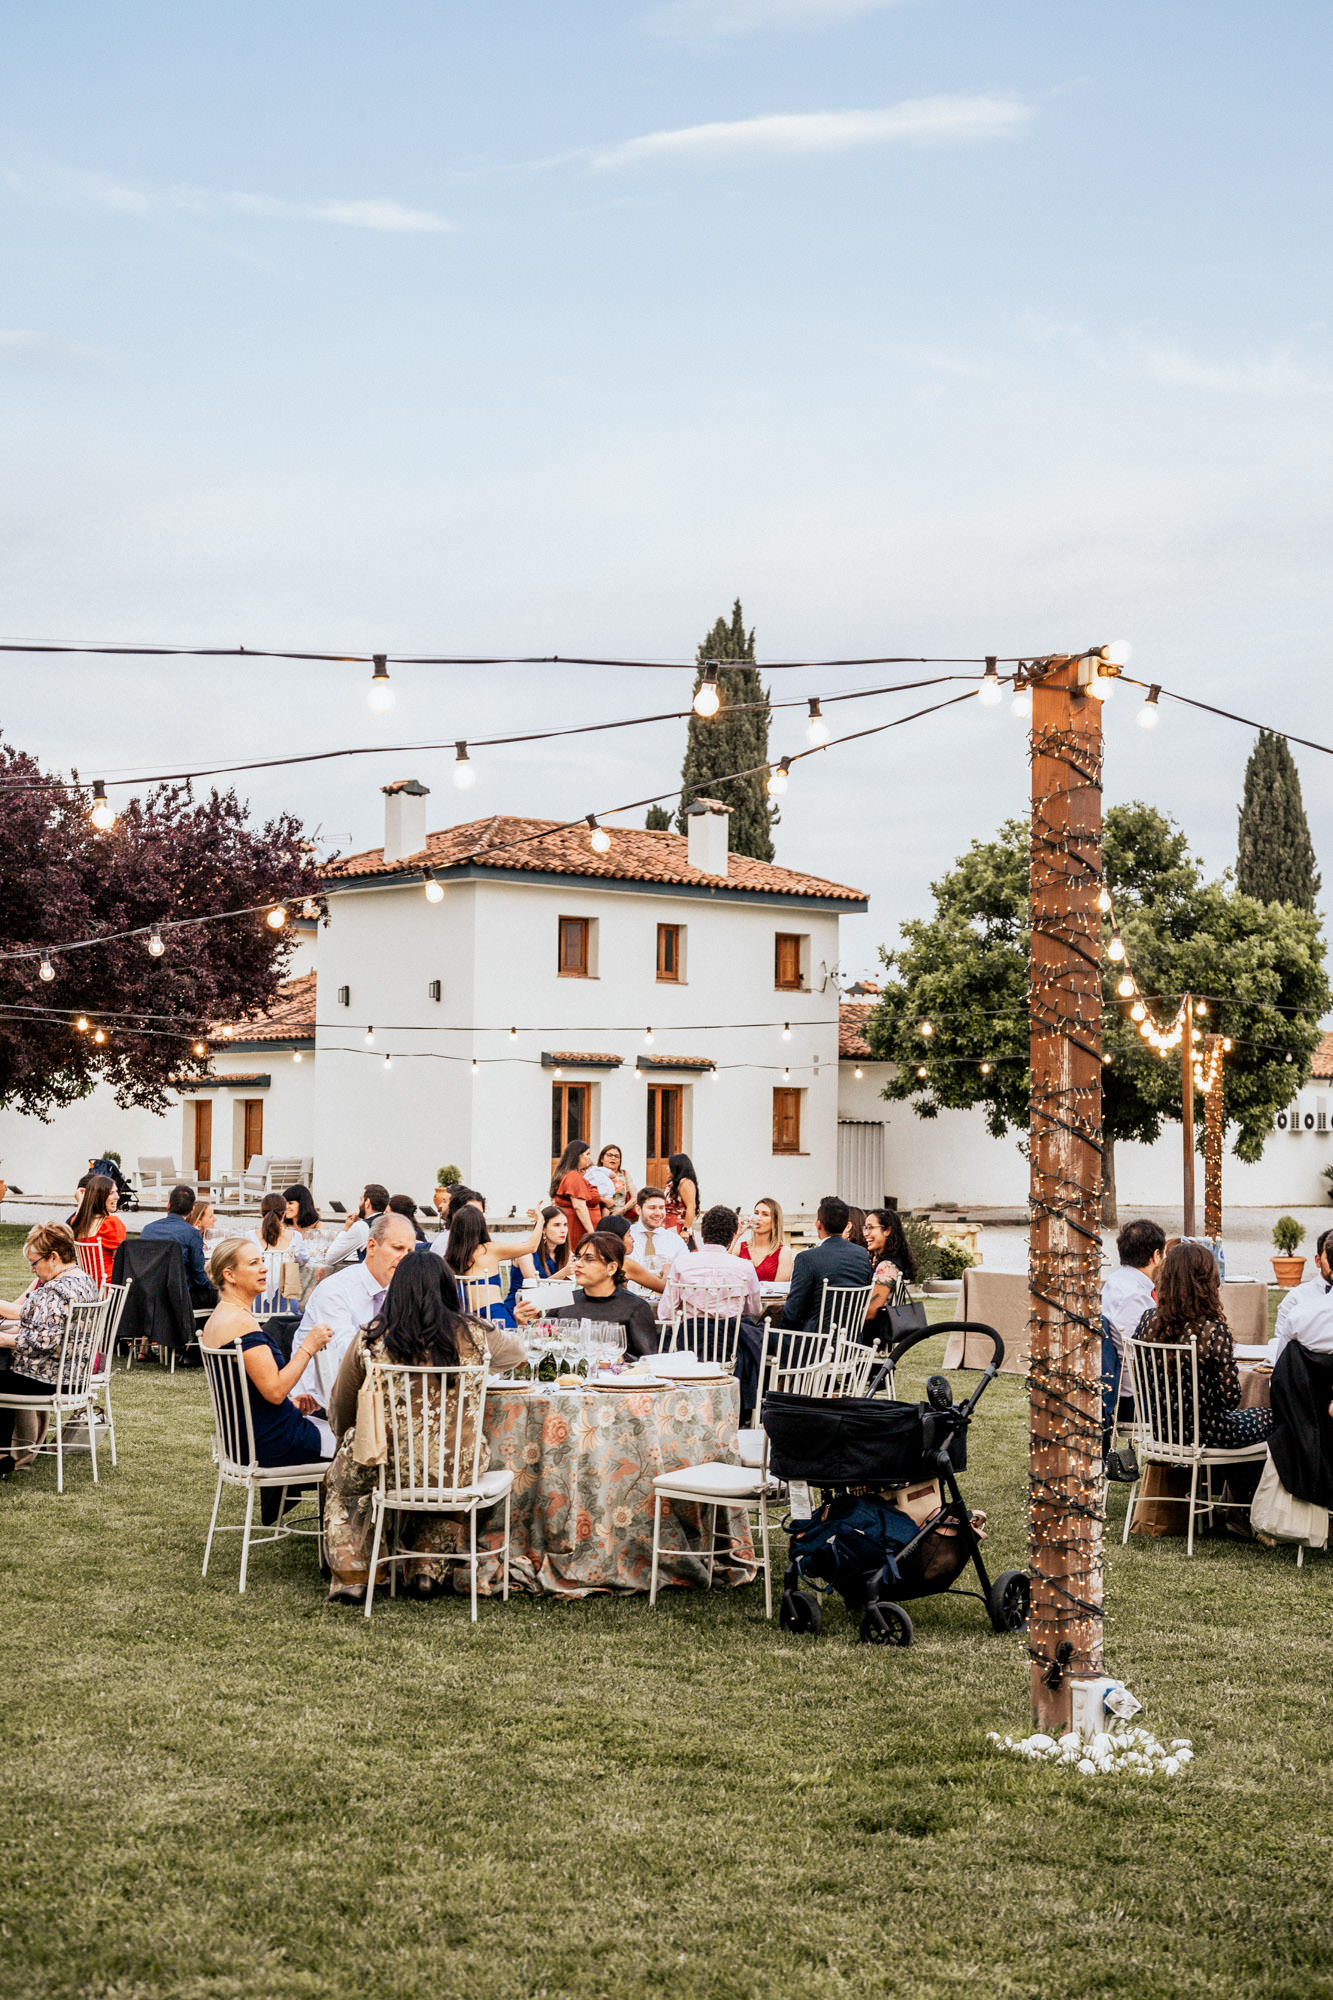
[(349, 1526), (1222, 1423)]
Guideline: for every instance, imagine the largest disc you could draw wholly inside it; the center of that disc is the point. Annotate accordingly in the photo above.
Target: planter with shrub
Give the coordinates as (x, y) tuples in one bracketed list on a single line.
[(1288, 1235)]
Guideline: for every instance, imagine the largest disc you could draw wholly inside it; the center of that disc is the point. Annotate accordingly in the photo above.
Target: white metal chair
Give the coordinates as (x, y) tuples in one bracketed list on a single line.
[(92, 1262), (843, 1309), (708, 1323), (1166, 1425), (851, 1367), (237, 1460), (113, 1298), (804, 1358), (432, 1467), (71, 1394), (744, 1487)]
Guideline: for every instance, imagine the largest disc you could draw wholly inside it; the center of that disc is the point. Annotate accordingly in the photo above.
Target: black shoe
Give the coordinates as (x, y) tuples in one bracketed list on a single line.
[(349, 1594), (7, 1465)]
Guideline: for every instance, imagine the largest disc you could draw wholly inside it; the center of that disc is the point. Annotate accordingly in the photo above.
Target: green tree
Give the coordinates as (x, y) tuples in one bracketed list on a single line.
[(658, 820), (1275, 862), (965, 970), (735, 739)]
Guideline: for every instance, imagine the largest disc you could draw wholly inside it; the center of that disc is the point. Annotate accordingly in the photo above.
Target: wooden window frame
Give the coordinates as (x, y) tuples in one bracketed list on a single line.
[(796, 940), (561, 1094), (252, 1112), (786, 1110), (676, 934), (659, 1094), (583, 925)]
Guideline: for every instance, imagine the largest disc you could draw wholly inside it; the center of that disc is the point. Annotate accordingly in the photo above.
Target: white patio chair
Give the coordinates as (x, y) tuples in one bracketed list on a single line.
[(708, 1323), (157, 1171), (1166, 1424), (430, 1468), (71, 1394), (843, 1309), (804, 1358), (237, 1461), (743, 1487), (281, 1173), (113, 1298), (851, 1367), (92, 1263)]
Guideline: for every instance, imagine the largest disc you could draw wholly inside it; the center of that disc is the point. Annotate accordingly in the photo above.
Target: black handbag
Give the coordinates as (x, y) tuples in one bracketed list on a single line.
[(907, 1318)]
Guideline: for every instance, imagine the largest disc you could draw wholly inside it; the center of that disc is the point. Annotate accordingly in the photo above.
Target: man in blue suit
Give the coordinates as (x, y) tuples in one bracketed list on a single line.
[(833, 1259), (176, 1227)]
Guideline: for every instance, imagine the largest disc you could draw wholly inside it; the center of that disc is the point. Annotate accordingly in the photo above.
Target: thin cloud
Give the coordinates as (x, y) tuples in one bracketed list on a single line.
[(388, 217), (20, 345), (918, 121), (1173, 365), (725, 20)]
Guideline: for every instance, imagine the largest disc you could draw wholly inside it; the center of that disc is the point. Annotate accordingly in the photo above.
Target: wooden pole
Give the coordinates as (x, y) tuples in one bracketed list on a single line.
[(1187, 1111), (1065, 1173), (1214, 1126)]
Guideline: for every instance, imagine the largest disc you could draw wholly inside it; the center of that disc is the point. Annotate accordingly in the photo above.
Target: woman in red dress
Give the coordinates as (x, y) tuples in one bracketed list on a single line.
[(574, 1194), (97, 1222), (766, 1246)]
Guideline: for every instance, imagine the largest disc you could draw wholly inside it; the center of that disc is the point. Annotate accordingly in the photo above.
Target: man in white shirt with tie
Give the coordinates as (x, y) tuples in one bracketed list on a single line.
[(349, 1299), (1306, 1312), (650, 1237)]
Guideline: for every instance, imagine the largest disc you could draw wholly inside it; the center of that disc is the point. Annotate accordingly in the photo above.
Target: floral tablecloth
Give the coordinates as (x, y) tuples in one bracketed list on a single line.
[(584, 1462)]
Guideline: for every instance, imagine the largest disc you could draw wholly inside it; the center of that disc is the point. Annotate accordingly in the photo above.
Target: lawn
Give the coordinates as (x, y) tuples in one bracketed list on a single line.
[(225, 1798)]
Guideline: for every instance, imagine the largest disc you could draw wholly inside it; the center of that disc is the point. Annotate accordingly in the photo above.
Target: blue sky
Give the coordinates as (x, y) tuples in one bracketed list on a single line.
[(925, 327)]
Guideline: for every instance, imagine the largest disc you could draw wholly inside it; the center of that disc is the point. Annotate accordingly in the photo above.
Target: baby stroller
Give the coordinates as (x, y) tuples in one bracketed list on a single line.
[(859, 1542), (128, 1197)]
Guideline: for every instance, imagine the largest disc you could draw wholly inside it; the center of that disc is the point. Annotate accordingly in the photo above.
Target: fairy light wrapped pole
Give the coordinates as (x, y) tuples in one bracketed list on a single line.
[(1065, 1184), (1214, 1128)]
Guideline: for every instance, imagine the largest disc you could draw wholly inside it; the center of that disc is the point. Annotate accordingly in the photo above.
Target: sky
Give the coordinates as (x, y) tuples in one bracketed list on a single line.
[(923, 326)]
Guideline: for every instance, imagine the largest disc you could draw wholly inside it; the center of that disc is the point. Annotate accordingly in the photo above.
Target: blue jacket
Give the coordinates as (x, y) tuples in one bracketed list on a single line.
[(835, 1259), (176, 1229)]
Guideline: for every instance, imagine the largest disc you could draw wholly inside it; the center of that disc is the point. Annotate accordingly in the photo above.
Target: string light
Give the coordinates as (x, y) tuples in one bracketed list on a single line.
[(310, 909), (648, 1037), (786, 1076), (46, 970), (1119, 653), (1150, 711), (98, 1035), (990, 692), (474, 1065), (921, 1069), (858, 1072), (297, 1056), (927, 1028), (1106, 1060), (1023, 703), (81, 1025), (786, 1031), (513, 1034), (200, 1049), (707, 696), (1115, 950), (1103, 900), (1125, 985), (370, 1037), (388, 1062), (777, 777), (103, 813), (464, 775), (380, 693), (599, 840), (1138, 1012), (985, 1069), (155, 945), (276, 917), (816, 729), (1201, 1009), (434, 887)]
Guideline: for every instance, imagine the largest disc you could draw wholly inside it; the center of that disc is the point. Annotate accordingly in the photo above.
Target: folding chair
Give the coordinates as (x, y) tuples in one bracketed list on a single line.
[(1166, 1427), (71, 1394), (708, 1323), (843, 1309), (92, 1261), (430, 1466), (237, 1461)]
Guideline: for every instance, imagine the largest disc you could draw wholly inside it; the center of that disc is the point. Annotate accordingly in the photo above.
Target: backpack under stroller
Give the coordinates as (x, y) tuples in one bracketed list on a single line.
[(859, 1451)]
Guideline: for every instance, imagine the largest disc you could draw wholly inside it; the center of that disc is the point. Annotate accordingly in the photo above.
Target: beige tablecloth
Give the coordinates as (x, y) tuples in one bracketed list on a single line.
[(998, 1299), (1246, 1309)]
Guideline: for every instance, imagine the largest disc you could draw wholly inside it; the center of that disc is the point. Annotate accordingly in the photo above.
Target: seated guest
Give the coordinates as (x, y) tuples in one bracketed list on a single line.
[(403, 1204), (764, 1242), (833, 1260), (462, 1197), (712, 1280), (301, 1210), (97, 1222), (855, 1232), (350, 1244), (175, 1227), (1189, 1307), (280, 1242), (650, 1240), (203, 1218), (349, 1299), (475, 1260), (602, 1295), (32, 1328), (552, 1258), (439, 1196), (418, 1325), (284, 1435), (1306, 1312), (574, 1194), (1128, 1291), (647, 1284), (895, 1268)]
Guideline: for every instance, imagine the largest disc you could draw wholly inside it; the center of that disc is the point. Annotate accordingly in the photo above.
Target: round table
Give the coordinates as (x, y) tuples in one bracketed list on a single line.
[(584, 1461)]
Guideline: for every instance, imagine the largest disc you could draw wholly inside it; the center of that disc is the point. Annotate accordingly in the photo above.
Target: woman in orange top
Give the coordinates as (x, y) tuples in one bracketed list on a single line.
[(574, 1194), (97, 1222)]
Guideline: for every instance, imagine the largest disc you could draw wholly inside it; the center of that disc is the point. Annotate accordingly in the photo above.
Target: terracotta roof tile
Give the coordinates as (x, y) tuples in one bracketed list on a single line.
[(574, 1058), (676, 1062), (637, 854), (1322, 1066), (290, 1018), (852, 1018)]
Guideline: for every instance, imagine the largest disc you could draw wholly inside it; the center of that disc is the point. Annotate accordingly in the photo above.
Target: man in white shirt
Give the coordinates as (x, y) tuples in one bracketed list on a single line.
[(649, 1236), (347, 1248), (349, 1299), (1129, 1291), (1306, 1312), (711, 1279)]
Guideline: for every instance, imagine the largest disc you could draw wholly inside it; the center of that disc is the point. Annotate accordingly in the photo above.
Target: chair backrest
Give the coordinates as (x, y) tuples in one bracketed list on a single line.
[(843, 1309), (156, 1167), (850, 1368), (233, 1421), (709, 1323), (113, 1298), (80, 1346), (432, 1429), (796, 1363), (1166, 1397), (92, 1259), (479, 1297), (280, 1174)]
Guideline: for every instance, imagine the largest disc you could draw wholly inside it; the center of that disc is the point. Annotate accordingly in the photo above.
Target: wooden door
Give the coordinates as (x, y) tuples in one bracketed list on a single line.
[(664, 1130), (569, 1116), (254, 1127), (203, 1141)]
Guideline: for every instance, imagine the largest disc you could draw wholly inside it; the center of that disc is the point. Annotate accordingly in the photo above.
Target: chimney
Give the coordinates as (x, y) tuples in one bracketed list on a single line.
[(709, 830), (404, 818)]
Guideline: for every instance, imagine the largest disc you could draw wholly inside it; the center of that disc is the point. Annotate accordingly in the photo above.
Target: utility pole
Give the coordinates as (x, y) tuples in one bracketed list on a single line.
[(1065, 1179), (1187, 1109)]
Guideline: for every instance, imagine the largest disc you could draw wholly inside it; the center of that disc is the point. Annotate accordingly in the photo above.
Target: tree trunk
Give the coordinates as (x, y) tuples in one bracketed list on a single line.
[(1109, 1215)]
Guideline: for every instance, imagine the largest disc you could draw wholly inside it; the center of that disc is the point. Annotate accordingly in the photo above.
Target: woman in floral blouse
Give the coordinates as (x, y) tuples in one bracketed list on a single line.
[(419, 1326), (32, 1328)]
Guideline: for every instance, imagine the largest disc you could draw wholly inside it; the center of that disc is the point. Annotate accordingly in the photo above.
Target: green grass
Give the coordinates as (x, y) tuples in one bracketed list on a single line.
[(224, 1798)]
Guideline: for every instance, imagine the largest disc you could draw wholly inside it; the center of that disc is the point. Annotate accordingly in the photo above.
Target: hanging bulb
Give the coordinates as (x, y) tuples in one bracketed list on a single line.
[(276, 917), (388, 1062), (46, 970), (1201, 1008), (1115, 950), (434, 887), (513, 1034), (985, 1069), (921, 1069), (1023, 703), (1146, 1030), (990, 692), (1106, 1062), (1138, 1012), (155, 944), (786, 1031), (648, 1037), (98, 1036), (816, 729), (786, 1076), (927, 1028), (464, 775), (310, 909), (1150, 711), (599, 840), (557, 1072), (1103, 900), (226, 1034), (199, 1049), (380, 693), (474, 1065), (1226, 1044), (81, 1025), (708, 696), (102, 813), (777, 778), (858, 1072), (1125, 986), (297, 1056), (370, 1038), (1119, 652)]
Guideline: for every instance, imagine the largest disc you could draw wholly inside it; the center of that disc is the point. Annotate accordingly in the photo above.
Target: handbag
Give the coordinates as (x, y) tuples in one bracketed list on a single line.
[(1282, 1517), (369, 1445), (904, 1313)]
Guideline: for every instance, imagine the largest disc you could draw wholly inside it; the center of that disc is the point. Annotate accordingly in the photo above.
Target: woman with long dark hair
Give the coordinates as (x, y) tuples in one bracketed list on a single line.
[(574, 1193), (420, 1325), (682, 1194), (894, 1264), (1189, 1307), (301, 1211), (475, 1260), (97, 1222), (281, 1244)]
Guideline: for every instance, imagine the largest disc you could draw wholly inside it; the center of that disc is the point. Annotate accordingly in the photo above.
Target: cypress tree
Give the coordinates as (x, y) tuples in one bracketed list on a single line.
[(1276, 859), (658, 820), (735, 739)]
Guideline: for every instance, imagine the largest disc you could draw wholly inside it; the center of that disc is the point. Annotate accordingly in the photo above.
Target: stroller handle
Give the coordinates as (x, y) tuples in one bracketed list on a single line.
[(910, 1340)]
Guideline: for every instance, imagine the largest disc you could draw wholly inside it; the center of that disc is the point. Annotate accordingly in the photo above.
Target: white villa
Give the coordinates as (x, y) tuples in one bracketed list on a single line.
[(480, 995)]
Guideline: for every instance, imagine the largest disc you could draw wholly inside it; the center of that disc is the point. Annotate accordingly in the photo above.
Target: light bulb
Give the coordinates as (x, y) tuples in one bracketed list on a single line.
[(557, 1071), (599, 840), (1100, 686), (1138, 1012), (985, 1069), (777, 778), (1103, 899), (1106, 1061), (990, 692), (1115, 950), (1201, 1007), (648, 1036), (707, 696), (380, 693), (858, 1072), (464, 775), (103, 813), (786, 1076), (434, 888), (927, 1028), (1145, 1029), (46, 970), (921, 1069), (155, 944), (1125, 986), (226, 1034), (370, 1038), (276, 917), (199, 1049), (786, 1031), (309, 908), (388, 1062), (513, 1034), (816, 728), (474, 1065), (297, 1056), (1149, 713), (1226, 1044), (1119, 652), (98, 1036), (1023, 703)]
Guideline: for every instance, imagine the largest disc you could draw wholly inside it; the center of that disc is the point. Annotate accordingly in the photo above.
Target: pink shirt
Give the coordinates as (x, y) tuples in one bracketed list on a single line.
[(712, 1271)]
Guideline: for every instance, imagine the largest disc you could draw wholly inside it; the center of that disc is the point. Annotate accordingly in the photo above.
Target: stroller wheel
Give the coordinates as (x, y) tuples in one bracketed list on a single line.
[(799, 1612), (1010, 1597), (886, 1624)]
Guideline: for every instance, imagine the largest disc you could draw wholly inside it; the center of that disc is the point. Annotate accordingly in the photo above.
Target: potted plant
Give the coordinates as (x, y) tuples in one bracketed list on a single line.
[(1288, 1235), (448, 1177)]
